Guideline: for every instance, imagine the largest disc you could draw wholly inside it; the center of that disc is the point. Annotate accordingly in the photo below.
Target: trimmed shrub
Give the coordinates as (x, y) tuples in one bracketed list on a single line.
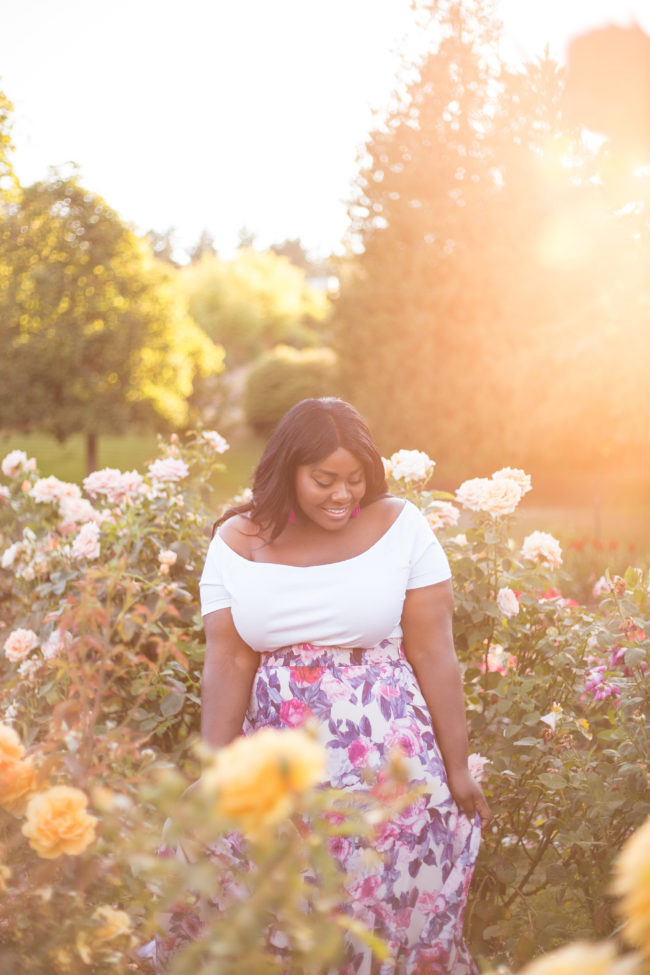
[(285, 376)]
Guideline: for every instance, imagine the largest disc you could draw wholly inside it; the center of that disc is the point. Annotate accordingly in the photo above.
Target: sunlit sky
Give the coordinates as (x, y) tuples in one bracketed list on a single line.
[(220, 114)]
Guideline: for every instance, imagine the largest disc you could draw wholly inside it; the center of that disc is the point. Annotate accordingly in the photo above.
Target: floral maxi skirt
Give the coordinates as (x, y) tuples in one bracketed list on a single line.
[(368, 702)]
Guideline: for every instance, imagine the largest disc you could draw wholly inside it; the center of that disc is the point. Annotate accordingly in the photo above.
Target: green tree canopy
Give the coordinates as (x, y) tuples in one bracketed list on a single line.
[(253, 302), (93, 334)]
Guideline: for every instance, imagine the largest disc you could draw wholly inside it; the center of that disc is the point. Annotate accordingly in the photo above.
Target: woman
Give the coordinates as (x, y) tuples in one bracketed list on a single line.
[(325, 596)]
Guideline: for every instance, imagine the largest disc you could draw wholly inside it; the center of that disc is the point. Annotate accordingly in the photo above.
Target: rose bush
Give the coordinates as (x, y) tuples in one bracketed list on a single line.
[(557, 696), (99, 697)]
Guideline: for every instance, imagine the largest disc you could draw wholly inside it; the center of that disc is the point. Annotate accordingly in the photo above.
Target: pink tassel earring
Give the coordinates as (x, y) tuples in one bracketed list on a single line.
[(356, 512), (292, 515)]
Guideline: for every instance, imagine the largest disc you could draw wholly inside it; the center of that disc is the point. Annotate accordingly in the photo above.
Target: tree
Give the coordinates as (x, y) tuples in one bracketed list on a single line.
[(163, 245), (204, 245), (253, 302), (8, 183), (498, 293), (93, 336)]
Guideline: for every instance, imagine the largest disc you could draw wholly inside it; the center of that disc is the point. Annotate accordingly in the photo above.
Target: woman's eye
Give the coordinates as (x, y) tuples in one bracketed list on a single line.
[(320, 484)]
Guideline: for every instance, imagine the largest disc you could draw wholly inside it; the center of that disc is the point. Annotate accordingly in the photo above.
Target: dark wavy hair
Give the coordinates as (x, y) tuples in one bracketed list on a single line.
[(310, 431)]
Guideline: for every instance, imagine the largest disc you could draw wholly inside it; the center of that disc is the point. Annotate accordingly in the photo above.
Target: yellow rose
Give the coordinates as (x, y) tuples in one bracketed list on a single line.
[(17, 776), (114, 923), (17, 784), (632, 884), (255, 779), (57, 822), (580, 956), (11, 746)]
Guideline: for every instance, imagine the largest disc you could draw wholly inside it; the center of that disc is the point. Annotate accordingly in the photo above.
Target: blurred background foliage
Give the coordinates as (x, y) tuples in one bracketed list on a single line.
[(491, 306)]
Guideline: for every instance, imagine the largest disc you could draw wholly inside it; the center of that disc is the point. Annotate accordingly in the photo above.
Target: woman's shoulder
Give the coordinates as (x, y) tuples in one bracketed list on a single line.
[(240, 534), (382, 513)]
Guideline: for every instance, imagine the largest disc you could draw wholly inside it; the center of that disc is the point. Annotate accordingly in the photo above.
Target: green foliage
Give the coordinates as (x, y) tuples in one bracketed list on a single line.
[(282, 378), (557, 697), (253, 302), (92, 335), (8, 183), (108, 702), (109, 705)]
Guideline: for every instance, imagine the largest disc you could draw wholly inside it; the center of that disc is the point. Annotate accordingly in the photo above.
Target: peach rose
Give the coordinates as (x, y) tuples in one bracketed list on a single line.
[(470, 493), (11, 747), (56, 822), (17, 783), (632, 885), (255, 779), (579, 956), (20, 644), (521, 478), (500, 497), (442, 514), (17, 776), (542, 547), (86, 544)]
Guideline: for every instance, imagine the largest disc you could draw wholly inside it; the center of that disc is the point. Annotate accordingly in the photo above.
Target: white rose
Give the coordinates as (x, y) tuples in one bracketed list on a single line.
[(411, 465), (470, 493), (507, 602), (218, 443), (514, 474), (52, 489), (500, 497), (542, 547), (9, 555), (15, 462)]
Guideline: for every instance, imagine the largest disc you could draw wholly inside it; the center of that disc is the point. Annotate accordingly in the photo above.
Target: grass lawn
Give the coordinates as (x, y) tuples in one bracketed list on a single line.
[(132, 451), (624, 521)]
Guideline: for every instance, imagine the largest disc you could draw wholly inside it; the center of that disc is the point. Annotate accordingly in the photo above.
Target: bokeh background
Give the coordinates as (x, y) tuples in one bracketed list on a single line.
[(437, 210)]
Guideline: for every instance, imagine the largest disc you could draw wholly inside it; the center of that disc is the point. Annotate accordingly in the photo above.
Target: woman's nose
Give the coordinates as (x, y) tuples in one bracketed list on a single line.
[(341, 492)]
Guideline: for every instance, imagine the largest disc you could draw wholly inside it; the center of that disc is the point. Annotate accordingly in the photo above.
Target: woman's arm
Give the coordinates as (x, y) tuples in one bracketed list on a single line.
[(228, 673), (429, 648)]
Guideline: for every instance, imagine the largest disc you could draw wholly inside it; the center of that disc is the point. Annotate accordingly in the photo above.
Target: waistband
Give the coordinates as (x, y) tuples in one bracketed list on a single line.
[(310, 655)]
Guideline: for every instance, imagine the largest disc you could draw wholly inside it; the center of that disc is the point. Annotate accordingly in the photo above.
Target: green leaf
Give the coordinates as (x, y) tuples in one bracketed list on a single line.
[(172, 703), (553, 781)]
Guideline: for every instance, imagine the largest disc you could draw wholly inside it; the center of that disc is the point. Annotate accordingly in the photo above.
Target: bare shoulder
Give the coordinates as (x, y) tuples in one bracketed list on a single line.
[(384, 511), (241, 535)]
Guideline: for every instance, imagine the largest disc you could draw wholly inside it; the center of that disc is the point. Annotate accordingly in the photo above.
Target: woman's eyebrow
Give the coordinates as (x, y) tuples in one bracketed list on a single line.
[(321, 470)]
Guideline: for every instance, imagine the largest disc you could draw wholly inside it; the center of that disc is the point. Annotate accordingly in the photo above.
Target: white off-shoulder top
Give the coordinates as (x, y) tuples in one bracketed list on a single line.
[(354, 603)]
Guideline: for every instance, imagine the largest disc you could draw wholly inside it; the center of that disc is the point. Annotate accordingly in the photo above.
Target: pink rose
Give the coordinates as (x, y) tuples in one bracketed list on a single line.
[(476, 764), (20, 644), (168, 469), (86, 544), (404, 735), (507, 602), (359, 750), (294, 712)]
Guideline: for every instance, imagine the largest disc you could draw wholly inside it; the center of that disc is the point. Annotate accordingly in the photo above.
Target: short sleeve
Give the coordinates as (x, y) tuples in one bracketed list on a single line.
[(428, 563), (214, 594)]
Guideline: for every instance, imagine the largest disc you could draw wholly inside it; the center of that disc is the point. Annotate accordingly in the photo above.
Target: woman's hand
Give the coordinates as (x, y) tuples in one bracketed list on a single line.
[(468, 795)]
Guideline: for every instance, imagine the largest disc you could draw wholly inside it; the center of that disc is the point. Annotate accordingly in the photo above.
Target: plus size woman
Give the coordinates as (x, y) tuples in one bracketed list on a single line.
[(325, 598)]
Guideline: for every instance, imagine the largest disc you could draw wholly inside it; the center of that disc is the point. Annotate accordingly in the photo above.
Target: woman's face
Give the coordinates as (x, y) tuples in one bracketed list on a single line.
[(329, 490)]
